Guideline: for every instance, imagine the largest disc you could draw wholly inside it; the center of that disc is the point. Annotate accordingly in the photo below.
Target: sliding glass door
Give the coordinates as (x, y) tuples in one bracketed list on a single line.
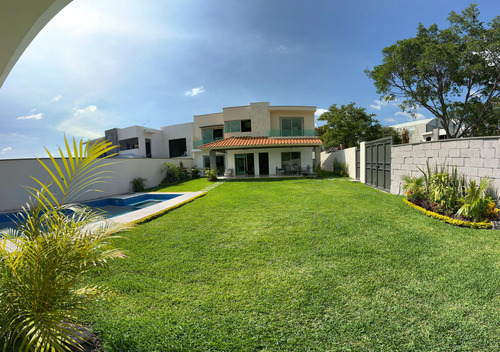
[(244, 164)]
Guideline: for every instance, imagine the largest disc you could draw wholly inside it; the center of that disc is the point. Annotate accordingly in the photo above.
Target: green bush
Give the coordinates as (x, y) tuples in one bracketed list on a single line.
[(447, 192), (211, 174), (173, 173), (139, 184), (413, 187), (319, 171), (443, 193), (476, 201), (195, 173), (41, 290), (340, 168)]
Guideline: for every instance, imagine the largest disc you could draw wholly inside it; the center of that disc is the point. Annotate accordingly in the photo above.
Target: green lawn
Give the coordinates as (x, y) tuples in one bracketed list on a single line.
[(187, 186), (301, 265)]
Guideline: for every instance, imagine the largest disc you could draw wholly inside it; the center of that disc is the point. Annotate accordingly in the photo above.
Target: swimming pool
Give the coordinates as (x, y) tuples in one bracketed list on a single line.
[(113, 206)]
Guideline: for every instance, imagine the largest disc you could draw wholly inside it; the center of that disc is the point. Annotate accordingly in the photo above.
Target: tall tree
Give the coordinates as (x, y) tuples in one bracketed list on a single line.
[(348, 125), (454, 73)]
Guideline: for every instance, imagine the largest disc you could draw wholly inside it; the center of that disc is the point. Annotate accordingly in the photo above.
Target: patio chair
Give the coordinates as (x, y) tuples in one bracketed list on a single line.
[(279, 171), (228, 172)]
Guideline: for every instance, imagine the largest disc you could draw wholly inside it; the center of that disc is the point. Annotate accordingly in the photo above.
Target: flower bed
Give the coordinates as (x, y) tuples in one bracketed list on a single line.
[(449, 197), (447, 219)]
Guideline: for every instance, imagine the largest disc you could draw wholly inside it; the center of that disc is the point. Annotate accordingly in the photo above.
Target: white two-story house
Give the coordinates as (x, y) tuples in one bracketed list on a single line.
[(257, 139)]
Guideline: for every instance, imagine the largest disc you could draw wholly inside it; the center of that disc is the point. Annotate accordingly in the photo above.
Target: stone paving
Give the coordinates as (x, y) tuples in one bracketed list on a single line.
[(212, 186)]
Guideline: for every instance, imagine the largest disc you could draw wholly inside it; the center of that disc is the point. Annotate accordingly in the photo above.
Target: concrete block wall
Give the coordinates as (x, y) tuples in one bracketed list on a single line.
[(474, 157)]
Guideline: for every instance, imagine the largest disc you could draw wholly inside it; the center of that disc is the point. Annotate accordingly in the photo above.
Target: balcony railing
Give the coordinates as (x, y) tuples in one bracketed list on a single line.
[(198, 142), (292, 133)]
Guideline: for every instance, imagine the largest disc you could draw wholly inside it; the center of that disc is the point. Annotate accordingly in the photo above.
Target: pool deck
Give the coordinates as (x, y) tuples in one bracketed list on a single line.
[(138, 215)]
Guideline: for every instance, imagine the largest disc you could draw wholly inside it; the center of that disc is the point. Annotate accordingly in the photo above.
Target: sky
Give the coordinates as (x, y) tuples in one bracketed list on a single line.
[(101, 64)]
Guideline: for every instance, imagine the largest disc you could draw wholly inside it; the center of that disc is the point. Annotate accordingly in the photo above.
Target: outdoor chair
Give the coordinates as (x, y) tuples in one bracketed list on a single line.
[(279, 171)]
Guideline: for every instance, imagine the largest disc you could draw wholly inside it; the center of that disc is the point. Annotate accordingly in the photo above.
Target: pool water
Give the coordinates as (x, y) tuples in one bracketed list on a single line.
[(110, 206)]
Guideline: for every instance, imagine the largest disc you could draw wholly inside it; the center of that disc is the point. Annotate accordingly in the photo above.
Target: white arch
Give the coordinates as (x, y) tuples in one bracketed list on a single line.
[(20, 22)]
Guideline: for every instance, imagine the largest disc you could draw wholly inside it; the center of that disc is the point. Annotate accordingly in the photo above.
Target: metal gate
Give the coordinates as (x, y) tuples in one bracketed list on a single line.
[(358, 164), (378, 163)]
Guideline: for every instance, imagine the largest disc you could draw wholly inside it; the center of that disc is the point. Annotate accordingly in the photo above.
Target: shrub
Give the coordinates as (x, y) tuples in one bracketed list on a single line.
[(319, 171), (173, 173), (41, 287), (477, 204), (340, 168), (211, 174), (195, 173), (413, 187), (139, 184), (442, 192), (448, 193)]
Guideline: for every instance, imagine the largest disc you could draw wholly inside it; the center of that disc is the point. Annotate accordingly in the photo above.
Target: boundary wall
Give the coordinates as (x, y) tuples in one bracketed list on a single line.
[(345, 155), (16, 173), (474, 157)]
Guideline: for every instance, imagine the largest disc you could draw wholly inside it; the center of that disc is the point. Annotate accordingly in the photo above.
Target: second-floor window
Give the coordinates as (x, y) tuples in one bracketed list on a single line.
[(238, 126), (292, 126), (211, 134)]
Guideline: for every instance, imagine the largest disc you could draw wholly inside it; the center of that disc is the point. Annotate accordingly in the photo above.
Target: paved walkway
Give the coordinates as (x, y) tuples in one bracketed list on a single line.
[(212, 186)]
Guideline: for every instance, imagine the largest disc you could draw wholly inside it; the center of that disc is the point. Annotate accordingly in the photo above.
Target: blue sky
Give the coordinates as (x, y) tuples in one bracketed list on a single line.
[(115, 63)]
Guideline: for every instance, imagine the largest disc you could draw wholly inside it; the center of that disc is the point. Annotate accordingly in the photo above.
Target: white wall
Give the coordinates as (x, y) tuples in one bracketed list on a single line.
[(182, 130), (142, 133), (14, 174), (346, 155)]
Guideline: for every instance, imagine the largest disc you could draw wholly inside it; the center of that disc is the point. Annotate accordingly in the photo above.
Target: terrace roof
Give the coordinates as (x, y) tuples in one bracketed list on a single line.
[(245, 142)]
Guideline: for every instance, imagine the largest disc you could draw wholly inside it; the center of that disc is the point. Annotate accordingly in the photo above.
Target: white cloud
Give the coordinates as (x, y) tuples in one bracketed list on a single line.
[(320, 112), (38, 116), (90, 108), (415, 115), (391, 120), (57, 98), (378, 104), (195, 91), (88, 122), (5, 150), (280, 49)]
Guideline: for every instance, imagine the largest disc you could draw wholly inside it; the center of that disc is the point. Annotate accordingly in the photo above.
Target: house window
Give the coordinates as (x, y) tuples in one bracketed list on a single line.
[(246, 125), (177, 147), (211, 134), (292, 126), (206, 162), (131, 143), (238, 126), (290, 160)]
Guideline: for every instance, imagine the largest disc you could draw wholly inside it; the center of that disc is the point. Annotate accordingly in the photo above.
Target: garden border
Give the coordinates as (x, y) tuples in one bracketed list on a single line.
[(446, 219)]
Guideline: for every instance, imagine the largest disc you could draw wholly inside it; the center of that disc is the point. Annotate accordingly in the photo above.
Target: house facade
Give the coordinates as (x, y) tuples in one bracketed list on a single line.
[(418, 131), (257, 139)]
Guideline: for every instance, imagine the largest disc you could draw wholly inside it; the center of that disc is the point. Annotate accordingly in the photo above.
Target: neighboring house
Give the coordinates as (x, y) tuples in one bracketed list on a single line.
[(143, 142), (257, 139), (422, 130)]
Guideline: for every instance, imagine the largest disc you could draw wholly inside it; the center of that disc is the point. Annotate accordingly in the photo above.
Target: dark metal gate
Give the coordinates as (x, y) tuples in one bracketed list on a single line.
[(358, 164), (378, 163)]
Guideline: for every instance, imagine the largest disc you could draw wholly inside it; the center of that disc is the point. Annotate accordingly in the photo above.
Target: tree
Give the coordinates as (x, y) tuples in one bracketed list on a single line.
[(349, 125), (454, 73)]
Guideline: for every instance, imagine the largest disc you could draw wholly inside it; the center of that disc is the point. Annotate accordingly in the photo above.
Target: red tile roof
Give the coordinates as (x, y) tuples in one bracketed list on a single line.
[(233, 142)]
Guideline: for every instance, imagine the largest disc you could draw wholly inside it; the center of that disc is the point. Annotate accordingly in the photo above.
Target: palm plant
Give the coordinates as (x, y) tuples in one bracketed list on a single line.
[(412, 183), (476, 201), (56, 242), (139, 184)]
